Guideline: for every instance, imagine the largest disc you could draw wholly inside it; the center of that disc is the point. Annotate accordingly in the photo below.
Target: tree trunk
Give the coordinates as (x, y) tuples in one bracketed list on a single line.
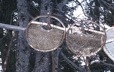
[(22, 53), (42, 61)]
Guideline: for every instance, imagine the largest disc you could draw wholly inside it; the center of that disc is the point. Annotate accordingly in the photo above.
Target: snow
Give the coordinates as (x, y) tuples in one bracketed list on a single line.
[(78, 12)]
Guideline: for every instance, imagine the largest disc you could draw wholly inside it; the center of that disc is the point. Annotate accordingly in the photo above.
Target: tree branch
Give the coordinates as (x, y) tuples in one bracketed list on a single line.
[(71, 63)]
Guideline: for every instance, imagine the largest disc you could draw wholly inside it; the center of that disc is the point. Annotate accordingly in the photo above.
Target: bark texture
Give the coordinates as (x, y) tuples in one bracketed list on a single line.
[(23, 52), (42, 61)]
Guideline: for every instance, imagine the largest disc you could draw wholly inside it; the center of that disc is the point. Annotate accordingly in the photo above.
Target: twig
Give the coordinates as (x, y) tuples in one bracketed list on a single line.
[(81, 7), (71, 63), (87, 64), (7, 56), (107, 64), (55, 58)]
